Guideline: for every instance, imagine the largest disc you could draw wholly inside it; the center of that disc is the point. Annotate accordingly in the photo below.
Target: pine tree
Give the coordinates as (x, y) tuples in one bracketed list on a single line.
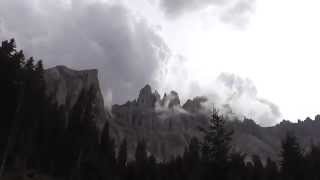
[(141, 160), (141, 153), (191, 159), (22, 104), (271, 170), (193, 151), (313, 162), (216, 145), (107, 153), (83, 134), (237, 166), (258, 172), (122, 155), (12, 96), (291, 158)]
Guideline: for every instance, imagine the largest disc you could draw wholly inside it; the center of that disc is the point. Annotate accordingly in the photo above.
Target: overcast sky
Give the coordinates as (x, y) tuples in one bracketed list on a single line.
[(258, 56)]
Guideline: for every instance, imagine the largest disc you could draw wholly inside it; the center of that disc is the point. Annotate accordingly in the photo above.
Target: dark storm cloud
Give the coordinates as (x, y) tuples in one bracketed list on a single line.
[(125, 49), (230, 11)]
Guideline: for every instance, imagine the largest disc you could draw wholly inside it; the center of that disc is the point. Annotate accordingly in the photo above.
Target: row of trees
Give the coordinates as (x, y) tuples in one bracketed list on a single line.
[(39, 135), (22, 104)]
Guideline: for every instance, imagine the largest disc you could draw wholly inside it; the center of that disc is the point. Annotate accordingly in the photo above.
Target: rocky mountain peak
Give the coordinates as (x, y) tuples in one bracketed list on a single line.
[(146, 97), (145, 90), (65, 85), (194, 105), (170, 100), (157, 95)]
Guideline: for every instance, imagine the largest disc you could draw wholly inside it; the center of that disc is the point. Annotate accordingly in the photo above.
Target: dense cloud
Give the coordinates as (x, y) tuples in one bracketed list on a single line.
[(83, 34), (230, 11), (230, 92)]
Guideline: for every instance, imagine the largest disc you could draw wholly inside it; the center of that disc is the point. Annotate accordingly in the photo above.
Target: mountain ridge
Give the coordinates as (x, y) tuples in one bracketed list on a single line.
[(167, 125)]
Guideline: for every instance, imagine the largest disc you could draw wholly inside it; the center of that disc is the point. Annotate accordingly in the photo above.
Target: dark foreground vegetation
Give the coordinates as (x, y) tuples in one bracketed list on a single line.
[(37, 140)]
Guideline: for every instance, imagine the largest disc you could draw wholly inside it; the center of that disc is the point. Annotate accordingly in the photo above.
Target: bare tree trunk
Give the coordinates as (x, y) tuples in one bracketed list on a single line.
[(14, 129)]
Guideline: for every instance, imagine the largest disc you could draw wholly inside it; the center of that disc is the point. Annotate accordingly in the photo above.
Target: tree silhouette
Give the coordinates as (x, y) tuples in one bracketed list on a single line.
[(122, 155), (237, 166), (141, 153), (291, 158), (141, 160), (191, 159), (271, 170), (216, 145), (258, 168), (22, 105), (107, 153), (313, 162)]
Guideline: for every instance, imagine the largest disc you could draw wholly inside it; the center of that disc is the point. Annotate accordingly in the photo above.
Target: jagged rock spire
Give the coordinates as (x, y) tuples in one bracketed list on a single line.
[(146, 97), (170, 100), (195, 104)]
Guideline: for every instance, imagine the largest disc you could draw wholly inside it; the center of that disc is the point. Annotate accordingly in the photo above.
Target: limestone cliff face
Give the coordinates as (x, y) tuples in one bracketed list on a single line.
[(64, 85), (161, 122)]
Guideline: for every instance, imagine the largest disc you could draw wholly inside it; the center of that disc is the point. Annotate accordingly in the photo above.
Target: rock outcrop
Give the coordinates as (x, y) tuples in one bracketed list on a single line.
[(170, 100), (65, 85), (161, 122), (146, 98), (195, 105)]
